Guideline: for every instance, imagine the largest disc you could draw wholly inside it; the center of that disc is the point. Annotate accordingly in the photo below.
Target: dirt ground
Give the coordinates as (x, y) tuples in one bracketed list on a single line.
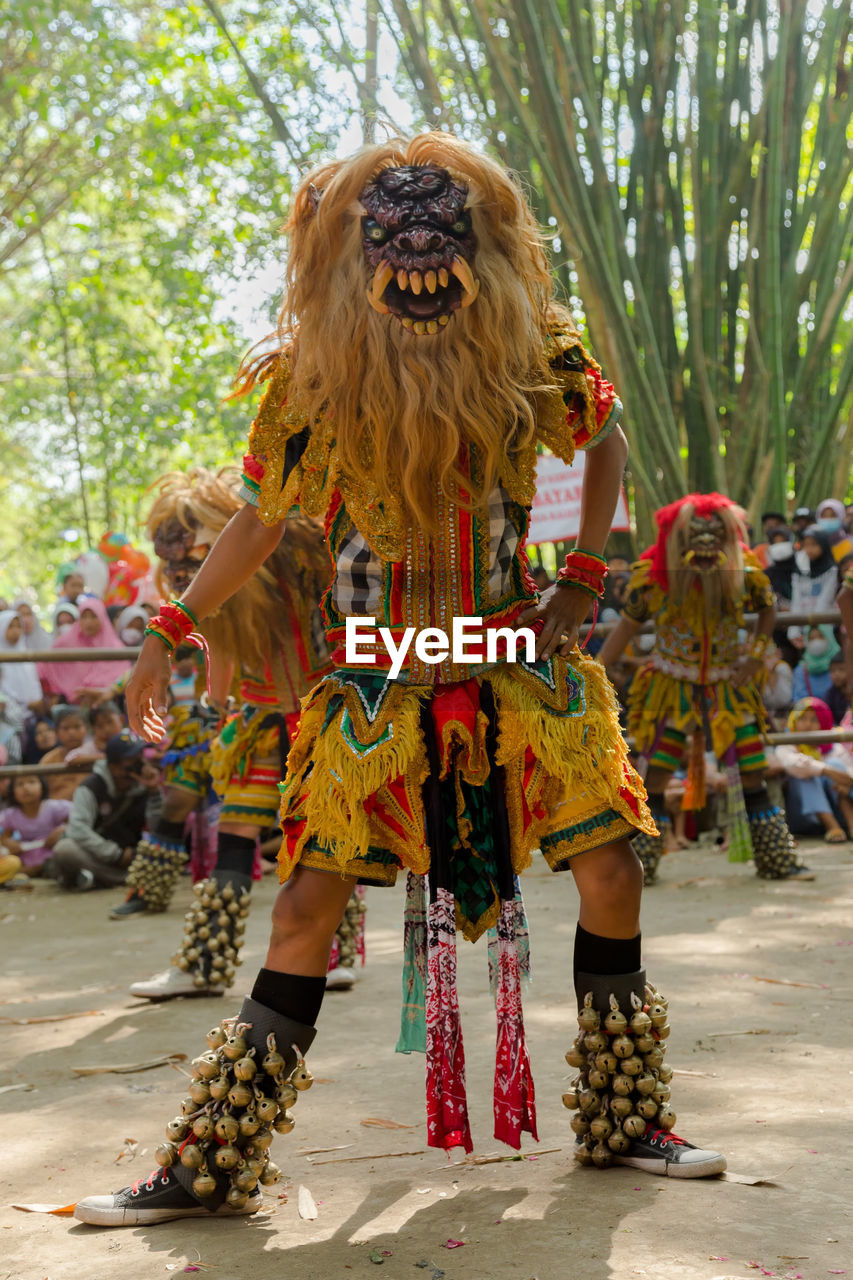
[(759, 978)]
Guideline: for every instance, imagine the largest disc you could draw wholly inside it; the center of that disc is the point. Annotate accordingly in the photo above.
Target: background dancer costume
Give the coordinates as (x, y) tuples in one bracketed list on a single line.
[(272, 625), (698, 691), (417, 442)]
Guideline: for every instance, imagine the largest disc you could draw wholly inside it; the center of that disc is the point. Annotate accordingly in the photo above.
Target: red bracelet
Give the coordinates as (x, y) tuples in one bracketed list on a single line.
[(173, 625), (584, 570)]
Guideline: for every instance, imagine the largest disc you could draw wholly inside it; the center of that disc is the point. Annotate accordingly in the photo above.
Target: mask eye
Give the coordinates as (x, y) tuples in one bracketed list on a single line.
[(462, 225), (373, 232)]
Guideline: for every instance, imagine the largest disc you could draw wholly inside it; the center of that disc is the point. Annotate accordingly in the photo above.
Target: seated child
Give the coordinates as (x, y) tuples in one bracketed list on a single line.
[(32, 824), (818, 779), (71, 730)]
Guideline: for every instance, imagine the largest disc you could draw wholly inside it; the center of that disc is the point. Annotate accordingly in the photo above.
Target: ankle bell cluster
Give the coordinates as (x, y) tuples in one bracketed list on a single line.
[(154, 871), (623, 1084), (237, 1100), (649, 849), (772, 843), (347, 932), (213, 934)]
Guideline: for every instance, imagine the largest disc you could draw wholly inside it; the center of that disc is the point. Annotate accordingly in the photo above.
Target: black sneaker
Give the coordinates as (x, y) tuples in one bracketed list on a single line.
[(131, 907), (800, 873), (157, 1198), (659, 1151)]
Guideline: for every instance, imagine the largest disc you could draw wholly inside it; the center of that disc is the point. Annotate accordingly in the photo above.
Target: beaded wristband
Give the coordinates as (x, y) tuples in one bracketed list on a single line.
[(585, 570)]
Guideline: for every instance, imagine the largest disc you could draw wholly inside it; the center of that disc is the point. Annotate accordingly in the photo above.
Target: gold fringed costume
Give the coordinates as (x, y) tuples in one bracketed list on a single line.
[(270, 627), (418, 364), (421, 457), (687, 683), (246, 756), (353, 799), (186, 762), (701, 686)]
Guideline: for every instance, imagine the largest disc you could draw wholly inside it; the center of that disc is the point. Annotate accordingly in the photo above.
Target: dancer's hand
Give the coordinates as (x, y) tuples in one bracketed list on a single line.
[(746, 671), (842, 780), (561, 610), (145, 695)]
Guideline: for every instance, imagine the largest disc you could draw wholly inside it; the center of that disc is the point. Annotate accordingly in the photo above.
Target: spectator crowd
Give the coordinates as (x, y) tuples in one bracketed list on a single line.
[(81, 827)]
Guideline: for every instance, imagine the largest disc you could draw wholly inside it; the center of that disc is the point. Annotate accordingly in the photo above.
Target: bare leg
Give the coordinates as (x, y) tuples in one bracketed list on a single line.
[(610, 883), (834, 834), (673, 795), (657, 779), (178, 804), (306, 914), (847, 812)]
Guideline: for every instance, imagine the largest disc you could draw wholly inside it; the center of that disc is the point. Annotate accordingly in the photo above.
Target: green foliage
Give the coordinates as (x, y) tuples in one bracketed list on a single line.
[(695, 163), (142, 181), (691, 159)]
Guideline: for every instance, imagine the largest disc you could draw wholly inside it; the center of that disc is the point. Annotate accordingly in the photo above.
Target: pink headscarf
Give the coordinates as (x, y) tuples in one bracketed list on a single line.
[(66, 678), (824, 721)]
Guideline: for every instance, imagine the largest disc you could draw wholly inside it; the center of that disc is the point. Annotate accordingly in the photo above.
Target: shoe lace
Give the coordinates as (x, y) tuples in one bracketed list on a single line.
[(150, 1180), (662, 1137)]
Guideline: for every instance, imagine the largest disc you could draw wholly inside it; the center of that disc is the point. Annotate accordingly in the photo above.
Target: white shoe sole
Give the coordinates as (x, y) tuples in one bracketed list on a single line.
[(151, 994), (673, 1169), (340, 979), (97, 1215)]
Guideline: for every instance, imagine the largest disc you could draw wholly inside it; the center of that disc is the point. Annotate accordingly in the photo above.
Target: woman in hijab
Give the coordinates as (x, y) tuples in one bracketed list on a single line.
[(34, 634), (131, 623), (830, 518), (811, 674), (86, 682), (814, 582), (20, 688), (64, 614), (39, 738), (818, 778), (780, 563)]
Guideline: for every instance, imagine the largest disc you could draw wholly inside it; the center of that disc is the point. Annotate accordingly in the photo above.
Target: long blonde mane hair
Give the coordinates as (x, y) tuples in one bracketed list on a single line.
[(402, 407), (254, 624)]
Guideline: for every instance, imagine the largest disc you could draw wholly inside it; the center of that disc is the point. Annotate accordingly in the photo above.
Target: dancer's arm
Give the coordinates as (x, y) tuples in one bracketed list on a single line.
[(563, 609), (621, 635), (220, 679), (750, 668), (239, 551)]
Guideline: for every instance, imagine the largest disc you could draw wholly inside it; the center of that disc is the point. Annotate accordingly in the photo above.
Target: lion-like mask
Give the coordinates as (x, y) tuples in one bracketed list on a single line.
[(701, 540), (415, 320), (706, 538), (419, 242)]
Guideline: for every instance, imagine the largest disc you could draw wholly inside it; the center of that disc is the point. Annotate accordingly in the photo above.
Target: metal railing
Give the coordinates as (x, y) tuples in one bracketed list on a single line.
[(832, 616), (70, 655), (46, 770)]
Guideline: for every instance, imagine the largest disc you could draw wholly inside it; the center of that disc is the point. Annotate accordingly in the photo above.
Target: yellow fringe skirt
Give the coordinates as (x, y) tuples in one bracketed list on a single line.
[(186, 762), (657, 701), (245, 765), (352, 799)]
